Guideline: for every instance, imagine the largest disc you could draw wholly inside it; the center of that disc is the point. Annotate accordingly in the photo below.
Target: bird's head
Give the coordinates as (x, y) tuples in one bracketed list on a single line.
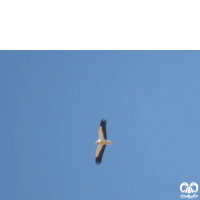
[(97, 142)]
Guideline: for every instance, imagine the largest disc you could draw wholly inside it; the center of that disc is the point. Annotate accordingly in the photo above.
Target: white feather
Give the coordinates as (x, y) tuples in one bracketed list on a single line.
[(98, 149), (101, 136)]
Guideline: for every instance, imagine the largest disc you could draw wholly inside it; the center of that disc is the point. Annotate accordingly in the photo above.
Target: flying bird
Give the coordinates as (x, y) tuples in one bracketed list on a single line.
[(102, 141)]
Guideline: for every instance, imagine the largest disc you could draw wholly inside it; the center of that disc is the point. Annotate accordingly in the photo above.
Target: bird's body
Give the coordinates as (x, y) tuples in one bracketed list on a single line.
[(102, 142)]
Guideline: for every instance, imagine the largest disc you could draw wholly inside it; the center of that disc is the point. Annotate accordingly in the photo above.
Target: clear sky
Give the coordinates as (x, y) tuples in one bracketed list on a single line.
[(51, 104)]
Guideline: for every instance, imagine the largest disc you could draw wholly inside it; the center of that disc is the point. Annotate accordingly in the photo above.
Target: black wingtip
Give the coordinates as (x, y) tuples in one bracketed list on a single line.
[(97, 161), (103, 122)]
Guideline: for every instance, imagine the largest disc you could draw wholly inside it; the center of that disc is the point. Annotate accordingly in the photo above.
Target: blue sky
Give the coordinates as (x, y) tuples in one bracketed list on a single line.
[(51, 105)]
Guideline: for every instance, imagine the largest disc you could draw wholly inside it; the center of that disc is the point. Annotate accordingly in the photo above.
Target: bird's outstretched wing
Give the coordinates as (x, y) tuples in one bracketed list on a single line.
[(102, 130), (99, 153)]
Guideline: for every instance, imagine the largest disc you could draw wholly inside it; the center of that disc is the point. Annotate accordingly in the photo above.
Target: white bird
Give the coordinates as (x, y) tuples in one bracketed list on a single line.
[(102, 142)]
